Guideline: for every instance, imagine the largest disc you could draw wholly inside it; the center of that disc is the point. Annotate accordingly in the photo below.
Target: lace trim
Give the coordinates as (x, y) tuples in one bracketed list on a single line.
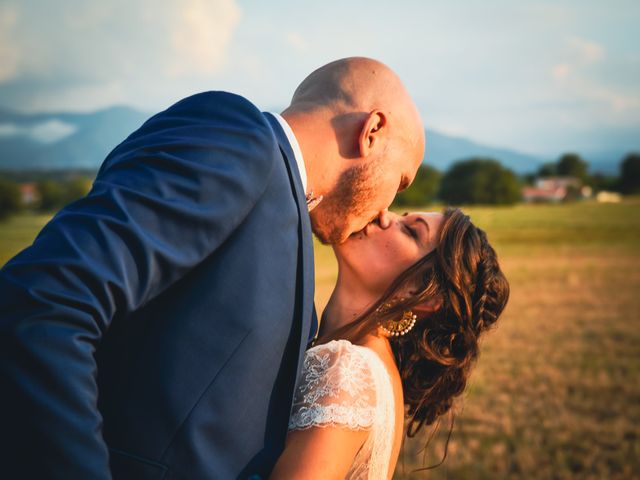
[(346, 385), (336, 387), (343, 415)]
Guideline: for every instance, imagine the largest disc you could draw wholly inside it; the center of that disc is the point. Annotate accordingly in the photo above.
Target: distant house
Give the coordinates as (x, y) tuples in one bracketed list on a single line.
[(536, 194), (555, 189), (29, 193), (608, 197)]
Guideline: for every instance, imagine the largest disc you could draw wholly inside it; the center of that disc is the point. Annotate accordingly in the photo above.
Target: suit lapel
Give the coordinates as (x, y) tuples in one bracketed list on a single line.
[(309, 318)]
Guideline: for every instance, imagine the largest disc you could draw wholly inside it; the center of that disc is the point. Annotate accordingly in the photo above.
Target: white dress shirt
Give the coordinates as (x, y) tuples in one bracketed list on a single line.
[(295, 146)]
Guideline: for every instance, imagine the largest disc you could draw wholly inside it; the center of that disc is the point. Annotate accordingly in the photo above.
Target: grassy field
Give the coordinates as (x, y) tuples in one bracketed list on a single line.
[(556, 393), (18, 232)]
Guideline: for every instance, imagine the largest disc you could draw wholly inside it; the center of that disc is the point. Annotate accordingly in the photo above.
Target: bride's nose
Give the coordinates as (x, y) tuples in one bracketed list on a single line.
[(384, 219)]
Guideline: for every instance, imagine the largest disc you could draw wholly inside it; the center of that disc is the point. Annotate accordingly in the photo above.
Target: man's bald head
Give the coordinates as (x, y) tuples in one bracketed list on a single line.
[(342, 84), (361, 133), (359, 84)]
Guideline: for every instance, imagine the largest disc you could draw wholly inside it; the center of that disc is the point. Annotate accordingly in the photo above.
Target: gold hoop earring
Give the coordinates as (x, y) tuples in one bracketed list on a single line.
[(397, 328)]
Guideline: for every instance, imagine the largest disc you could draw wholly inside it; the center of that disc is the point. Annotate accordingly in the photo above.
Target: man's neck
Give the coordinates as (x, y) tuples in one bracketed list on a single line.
[(309, 132)]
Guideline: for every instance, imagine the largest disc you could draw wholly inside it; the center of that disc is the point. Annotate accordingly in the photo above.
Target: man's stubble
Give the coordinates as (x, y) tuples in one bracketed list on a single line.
[(356, 189)]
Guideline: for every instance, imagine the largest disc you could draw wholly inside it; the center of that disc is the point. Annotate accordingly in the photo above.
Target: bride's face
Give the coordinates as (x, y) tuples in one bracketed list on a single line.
[(375, 257)]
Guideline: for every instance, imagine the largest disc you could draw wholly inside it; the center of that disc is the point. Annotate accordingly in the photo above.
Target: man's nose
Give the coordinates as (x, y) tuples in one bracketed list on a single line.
[(384, 219)]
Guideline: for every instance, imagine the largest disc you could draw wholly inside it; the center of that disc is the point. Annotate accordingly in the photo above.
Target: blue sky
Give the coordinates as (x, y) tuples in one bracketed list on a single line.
[(540, 77)]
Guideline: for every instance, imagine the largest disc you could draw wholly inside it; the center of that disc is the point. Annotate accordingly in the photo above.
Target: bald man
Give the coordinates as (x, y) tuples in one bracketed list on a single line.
[(155, 328)]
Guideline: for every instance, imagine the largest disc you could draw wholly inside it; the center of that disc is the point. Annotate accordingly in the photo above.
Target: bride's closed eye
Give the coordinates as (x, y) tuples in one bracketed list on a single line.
[(411, 231)]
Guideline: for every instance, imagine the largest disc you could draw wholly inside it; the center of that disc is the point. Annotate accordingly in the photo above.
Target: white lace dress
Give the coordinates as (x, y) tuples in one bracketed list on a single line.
[(347, 385)]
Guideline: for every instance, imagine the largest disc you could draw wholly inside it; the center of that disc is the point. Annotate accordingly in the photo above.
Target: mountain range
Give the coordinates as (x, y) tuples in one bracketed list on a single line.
[(55, 141)]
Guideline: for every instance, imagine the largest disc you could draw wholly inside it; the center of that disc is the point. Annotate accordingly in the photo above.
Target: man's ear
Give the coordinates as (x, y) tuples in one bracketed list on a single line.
[(371, 132)]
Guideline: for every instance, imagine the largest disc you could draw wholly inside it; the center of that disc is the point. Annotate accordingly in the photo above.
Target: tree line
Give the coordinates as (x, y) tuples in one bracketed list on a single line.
[(46, 193), (471, 181), (486, 181)]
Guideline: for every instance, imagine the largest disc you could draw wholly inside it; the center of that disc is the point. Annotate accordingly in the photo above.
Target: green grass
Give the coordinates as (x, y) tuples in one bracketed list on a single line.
[(555, 394), (18, 232), (590, 226)]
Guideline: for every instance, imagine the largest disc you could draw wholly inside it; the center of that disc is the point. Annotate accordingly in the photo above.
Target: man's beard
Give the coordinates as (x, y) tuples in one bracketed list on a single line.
[(352, 196)]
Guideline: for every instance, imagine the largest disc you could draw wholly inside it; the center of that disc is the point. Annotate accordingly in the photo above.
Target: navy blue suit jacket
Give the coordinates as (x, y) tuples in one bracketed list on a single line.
[(155, 328)]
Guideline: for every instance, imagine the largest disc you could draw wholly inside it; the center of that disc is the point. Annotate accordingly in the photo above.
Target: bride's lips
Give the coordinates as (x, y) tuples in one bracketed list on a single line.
[(366, 230), (373, 224)]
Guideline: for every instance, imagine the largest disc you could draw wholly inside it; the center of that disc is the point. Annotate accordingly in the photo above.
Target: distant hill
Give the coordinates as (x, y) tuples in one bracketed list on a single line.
[(54, 141), (443, 150), (63, 140), (606, 161)]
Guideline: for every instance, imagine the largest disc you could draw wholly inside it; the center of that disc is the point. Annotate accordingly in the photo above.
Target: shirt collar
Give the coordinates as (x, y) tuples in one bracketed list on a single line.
[(295, 146)]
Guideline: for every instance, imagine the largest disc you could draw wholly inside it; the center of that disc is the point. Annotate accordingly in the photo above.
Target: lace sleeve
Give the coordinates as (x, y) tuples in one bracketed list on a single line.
[(336, 387)]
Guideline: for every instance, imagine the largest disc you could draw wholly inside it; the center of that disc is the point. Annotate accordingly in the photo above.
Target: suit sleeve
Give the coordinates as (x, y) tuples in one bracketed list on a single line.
[(164, 199)]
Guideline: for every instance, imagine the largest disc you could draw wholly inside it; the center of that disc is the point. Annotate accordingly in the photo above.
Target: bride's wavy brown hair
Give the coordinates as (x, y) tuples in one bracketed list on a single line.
[(458, 291)]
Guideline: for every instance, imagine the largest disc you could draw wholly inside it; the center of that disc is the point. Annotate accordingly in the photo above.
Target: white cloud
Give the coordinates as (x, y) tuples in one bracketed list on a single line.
[(586, 52), (548, 14), (202, 34), (296, 41), (51, 131), (576, 82), (45, 132), (530, 75), (137, 52), (561, 71), (9, 130), (578, 55)]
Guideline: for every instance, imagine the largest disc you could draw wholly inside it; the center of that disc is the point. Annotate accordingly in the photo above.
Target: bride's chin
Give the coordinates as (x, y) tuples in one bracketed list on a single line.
[(355, 237), (349, 246)]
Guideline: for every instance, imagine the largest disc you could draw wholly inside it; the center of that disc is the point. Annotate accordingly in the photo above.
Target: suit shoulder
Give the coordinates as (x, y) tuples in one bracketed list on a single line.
[(215, 115), (223, 106)]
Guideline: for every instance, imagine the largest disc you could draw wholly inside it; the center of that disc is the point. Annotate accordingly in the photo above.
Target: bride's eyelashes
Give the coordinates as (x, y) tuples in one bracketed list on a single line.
[(410, 231)]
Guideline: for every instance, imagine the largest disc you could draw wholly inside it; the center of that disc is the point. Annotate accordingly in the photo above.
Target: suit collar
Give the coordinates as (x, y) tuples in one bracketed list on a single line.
[(287, 152), (309, 318)]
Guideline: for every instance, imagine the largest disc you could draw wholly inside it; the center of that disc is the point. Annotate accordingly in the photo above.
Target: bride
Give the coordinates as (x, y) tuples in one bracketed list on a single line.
[(398, 337)]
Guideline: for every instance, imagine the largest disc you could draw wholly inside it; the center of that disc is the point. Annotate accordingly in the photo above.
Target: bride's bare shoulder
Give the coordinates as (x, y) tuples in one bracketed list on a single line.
[(381, 347)]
